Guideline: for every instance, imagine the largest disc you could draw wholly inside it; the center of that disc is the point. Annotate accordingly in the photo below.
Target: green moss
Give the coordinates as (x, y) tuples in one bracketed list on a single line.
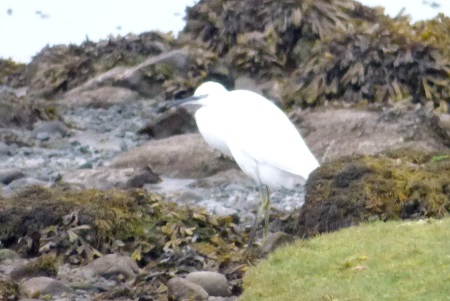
[(403, 183), (376, 261)]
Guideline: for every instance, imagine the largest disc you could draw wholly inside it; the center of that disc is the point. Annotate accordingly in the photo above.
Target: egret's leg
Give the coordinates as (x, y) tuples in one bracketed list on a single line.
[(264, 206)]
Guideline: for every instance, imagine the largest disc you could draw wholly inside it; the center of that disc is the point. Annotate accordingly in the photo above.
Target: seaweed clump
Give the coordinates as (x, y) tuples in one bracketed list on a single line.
[(384, 63), (80, 226), (400, 184), (328, 50), (259, 36), (60, 68)]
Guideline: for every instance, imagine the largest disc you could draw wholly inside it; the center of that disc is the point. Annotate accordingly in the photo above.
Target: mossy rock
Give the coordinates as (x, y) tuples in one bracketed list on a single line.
[(9, 291), (11, 73), (60, 68), (24, 111), (83, 225), (258, 38), (44, 265), (400, 184), (79, 226)]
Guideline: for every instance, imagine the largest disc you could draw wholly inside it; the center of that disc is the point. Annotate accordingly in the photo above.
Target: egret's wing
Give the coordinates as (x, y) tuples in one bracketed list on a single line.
[(263, 131)]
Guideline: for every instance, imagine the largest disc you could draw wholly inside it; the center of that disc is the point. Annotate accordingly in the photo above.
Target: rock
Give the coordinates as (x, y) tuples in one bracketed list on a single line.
[(45, 130), (110, 177), (5, 150), (112, 265), (138, 78), (142, 177), (333, 133), (181, 156), (182, 289), (22, 183), (11, 174), (99, 97), (173, 122), (7, 254), (18, 112), (215, 284), (276, 240), (404, 183), (9, 291), (41, 286), (42, 266), (225, 178)]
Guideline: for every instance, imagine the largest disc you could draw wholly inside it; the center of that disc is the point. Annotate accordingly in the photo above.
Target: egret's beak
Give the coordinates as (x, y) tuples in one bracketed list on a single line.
[(163, 106), (191, 100)]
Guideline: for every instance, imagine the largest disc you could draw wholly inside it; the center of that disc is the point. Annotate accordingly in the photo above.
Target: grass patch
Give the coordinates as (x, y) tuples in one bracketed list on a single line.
[(376, 261)]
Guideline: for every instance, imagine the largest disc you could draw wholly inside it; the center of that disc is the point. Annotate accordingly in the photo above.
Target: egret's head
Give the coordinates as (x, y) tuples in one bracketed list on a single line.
[(209, 89), (202, 94)]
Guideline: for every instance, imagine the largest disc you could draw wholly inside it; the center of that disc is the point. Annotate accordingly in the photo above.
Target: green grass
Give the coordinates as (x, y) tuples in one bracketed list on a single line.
[(375, 261)]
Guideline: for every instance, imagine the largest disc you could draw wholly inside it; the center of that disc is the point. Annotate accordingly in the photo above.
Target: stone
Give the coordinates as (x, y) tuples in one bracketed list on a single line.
[(112, 265), (136, 78), (10, 175), (42, 266), (22, 183), (276, 240), (40, 286), (172, 122), (5, 150), (7, 254), (142, 177), (215, 284), (182, 289), (47, 129), (99, 97), (111, 177), (334, 133), (180, 156)]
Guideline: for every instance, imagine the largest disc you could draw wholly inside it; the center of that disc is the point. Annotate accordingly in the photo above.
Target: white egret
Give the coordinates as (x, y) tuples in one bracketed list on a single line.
[(258, 135)]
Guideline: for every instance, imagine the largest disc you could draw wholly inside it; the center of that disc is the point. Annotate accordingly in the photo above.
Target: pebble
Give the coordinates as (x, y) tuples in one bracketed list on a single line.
[(112, 265), (41, 286), (182, 289), (276, 240), (215, 284), (10, 174), (5, 150)]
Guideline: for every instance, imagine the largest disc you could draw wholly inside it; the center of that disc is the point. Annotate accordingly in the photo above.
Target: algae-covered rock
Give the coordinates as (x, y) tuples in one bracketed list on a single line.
[(80, 226), (404, 183), (375, 66), (11, 73), (9, 291), (44, 265), (23, 111), (60, 68)]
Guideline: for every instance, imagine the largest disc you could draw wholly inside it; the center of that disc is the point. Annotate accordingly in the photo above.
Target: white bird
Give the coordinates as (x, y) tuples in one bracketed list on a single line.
[(258, 135)]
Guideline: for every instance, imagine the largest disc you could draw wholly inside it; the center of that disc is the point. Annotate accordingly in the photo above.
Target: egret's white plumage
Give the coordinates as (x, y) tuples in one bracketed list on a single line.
[(257, 134)]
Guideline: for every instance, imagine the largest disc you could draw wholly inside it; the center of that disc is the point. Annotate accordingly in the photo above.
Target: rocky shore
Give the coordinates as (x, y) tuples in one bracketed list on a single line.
[(106, 194)]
